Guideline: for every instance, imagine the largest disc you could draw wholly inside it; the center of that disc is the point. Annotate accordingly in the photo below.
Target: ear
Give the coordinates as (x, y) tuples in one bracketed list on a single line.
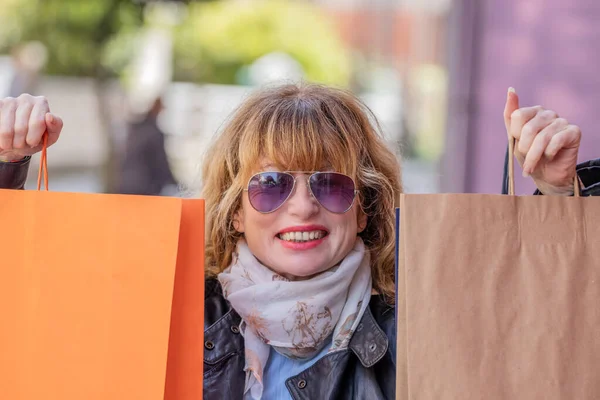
[(361, 220), (238, 220)]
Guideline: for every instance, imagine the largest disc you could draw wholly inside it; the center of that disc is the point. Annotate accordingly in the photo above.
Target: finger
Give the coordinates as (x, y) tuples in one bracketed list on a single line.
[(512, 105), (54, 125), (37, 123), (7, 123), (533, 127), (540, 143), (21, 124), (568, 138), (520, 117)]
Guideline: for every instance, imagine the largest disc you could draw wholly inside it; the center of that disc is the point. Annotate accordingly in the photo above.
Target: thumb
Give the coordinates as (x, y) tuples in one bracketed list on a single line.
[(54, 125), (512, 105)]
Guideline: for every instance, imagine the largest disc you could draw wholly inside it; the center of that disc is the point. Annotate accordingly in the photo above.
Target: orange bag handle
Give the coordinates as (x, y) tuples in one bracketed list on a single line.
[(43, 164), (511, 171)]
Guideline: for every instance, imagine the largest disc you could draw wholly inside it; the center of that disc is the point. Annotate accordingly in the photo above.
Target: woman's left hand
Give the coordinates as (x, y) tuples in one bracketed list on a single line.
[(546, 145)]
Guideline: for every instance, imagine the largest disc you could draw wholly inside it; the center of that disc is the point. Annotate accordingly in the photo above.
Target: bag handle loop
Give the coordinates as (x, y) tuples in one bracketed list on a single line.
[(508, 181), (43, 171)]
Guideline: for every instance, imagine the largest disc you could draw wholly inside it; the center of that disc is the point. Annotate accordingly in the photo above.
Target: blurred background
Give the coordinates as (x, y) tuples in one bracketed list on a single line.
[(144, 85)]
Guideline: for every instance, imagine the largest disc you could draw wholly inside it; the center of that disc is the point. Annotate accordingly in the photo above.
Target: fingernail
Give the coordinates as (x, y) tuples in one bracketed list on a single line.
[(511, 90), (525, 174), (51, 118)]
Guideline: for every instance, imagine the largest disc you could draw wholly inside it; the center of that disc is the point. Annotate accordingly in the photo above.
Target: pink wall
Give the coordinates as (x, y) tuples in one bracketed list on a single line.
[(549, 50)]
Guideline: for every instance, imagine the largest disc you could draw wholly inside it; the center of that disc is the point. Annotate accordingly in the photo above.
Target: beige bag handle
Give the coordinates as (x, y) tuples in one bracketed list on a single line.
[(511, 171)]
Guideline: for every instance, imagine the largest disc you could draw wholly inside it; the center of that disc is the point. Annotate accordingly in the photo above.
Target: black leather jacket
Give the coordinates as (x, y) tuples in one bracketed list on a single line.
[(366, 370)]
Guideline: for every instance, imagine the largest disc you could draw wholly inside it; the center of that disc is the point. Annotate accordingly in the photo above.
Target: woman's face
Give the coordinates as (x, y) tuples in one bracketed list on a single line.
[(335, 234)]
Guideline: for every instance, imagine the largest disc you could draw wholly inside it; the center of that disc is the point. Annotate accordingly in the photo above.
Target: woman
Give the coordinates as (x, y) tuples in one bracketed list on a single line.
[(300, 192)]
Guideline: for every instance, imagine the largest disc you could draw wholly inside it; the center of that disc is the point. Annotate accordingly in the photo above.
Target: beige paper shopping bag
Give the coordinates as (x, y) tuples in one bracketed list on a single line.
[(498, 297)]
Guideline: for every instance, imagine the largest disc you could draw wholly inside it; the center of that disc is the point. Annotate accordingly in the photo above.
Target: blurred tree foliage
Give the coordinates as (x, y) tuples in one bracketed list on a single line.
[(220, 38), (75, 32), (213, 43)]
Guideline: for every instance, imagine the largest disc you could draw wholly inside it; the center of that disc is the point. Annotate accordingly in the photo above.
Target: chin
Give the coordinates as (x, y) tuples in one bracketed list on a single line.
[(303, 273)]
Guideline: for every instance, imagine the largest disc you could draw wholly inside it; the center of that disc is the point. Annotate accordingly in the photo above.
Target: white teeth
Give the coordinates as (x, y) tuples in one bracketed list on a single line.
[(301, 236)]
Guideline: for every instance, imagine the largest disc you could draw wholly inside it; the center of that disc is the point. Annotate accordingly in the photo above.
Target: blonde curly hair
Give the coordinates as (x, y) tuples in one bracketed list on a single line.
[(300, 128)]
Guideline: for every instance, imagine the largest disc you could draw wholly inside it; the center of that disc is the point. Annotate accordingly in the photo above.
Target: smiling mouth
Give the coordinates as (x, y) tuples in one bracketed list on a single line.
[(305, 236)]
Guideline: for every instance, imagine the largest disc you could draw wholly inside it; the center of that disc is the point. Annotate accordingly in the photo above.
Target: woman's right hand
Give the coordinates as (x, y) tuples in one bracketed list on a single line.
[(23, 121)]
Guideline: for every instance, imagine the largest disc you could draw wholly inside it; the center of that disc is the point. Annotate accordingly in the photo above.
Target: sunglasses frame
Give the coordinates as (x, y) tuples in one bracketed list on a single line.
[(310, 175)]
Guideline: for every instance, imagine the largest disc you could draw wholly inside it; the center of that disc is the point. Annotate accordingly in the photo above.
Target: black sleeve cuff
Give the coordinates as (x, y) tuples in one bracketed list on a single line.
[(589, 173), (14, 174)]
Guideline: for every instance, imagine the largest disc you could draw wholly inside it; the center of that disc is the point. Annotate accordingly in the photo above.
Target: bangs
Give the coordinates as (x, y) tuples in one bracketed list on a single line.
[(299, 135)]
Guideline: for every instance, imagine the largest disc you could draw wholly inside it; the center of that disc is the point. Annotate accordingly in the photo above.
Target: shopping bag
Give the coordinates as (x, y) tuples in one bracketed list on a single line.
[(498, 297), (101, 296)]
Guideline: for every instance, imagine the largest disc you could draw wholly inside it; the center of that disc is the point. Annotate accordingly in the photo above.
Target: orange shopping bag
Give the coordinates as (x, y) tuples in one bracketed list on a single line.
[(101, 296)]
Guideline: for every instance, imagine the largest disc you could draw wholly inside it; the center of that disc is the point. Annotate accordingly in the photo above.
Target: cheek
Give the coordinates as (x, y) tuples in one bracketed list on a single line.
[(348, 224), (355, 219), (256, 225)]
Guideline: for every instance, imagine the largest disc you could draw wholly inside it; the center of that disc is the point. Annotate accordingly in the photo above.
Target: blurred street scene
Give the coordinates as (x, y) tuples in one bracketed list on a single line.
[(434, 72)]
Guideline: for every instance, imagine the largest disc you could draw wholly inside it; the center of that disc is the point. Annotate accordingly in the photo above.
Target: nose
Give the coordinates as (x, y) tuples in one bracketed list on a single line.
[(302, 203)]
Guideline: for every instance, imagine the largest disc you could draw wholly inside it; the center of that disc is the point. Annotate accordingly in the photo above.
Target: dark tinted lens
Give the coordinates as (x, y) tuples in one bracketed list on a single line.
[(334, 191), (268, 190)]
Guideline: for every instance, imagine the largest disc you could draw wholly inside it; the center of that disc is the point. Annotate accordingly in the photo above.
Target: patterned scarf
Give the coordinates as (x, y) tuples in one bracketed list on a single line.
[(294, 317)]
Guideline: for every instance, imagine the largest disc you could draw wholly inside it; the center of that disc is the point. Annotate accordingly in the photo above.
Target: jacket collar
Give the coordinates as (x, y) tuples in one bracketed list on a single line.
[(223, 338), (369, 342)]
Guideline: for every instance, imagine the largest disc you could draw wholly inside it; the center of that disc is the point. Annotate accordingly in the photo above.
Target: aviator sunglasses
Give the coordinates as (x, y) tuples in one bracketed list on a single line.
[(267, 191)]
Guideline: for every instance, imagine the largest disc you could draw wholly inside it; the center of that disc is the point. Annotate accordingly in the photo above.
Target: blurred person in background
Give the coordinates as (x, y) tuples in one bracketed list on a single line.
[(300, 190), (144, 167)]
